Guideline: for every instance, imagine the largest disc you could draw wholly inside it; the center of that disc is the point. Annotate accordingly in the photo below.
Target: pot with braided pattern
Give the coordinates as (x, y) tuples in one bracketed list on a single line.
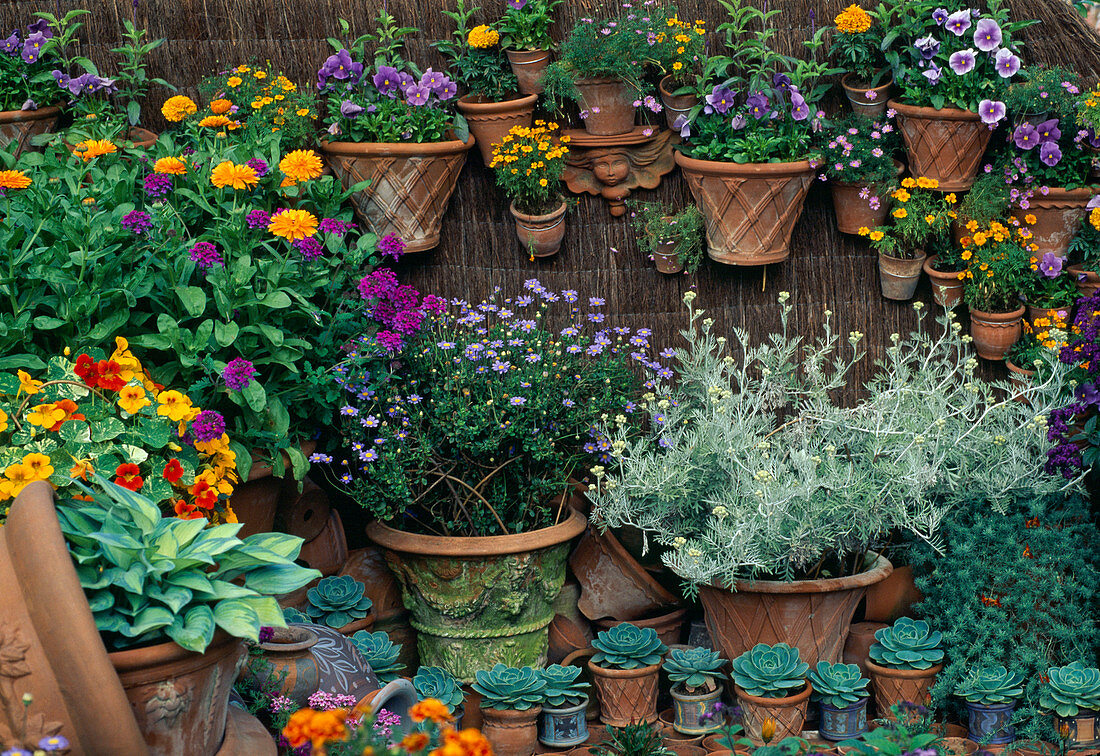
[(20, 126), (626, 695), (945, 144)]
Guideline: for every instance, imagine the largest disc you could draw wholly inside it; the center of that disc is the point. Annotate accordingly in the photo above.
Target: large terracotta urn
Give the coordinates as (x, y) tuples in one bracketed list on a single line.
[(410, 184), (20, 126), (945, 144), (491, 121)]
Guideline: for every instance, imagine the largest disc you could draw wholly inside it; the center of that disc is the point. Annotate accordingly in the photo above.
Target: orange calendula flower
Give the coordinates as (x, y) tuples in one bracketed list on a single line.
[(175, 109), (90, 149), (301, 165), (415, 741), (430, 708), (469, 742), (228, 173), (214, 122), (173, 165), (220, 106), (14, 180), (132, 399), (293, 225), (901, 212), (853, 20), (233, 81)]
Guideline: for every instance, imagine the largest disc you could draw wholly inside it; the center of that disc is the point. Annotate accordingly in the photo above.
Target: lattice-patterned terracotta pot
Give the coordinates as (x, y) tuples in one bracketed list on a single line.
[(626, 695), (750, 208), (788, 713), (945, 144), (895, 686), (20, 126)]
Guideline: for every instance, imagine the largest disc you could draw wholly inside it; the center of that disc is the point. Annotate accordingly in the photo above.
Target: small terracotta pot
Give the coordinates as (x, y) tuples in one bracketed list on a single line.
[(290, 656), (667, 624), (715, 745), (945, 144), (947, 288), (788, 713), (994, 333), (1088, 282), (328, 551), (1035, 313), (491, 121), (626, 695), (509, 732), (1020, 378), (750, 208), (540, 235), (685, 749), (666, 259), (854, 212), (675, 105), (612, 582), (20, 126), (899, 278), (352, 628), (857, 645), (528, 67), (1058, 215), (608, 106), (143, 139), (893, 597), (868, 107), (894, 686), (952, 746)]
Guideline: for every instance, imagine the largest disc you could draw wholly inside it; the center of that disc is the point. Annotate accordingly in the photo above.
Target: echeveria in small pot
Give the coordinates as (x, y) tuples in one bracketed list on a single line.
[(625, 670), (990, 694), (770, 683), (380, 653), (338, 601), (511, 699), (694, 673), (841, 691), (565, 702), (904, 661)]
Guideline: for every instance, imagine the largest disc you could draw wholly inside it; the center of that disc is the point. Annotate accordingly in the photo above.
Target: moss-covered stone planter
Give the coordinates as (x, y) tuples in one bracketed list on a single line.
[(479, 601)]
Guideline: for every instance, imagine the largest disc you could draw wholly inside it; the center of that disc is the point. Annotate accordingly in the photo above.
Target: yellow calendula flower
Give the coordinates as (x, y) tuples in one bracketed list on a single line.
[(853, 20), (14, 180), (293, 225), (929, 219), (301, 165), (93, 148), (980, 238), (927, 183), (214, 122), (482, 37), (951, 199), (228, 173), (132, 399), (901, 195), (175, 109), (173, 165), (302, 112), (259, 74)]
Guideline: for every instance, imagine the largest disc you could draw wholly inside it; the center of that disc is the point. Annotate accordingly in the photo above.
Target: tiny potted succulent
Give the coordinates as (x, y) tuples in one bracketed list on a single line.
[(841, 692), (904, 661), (770, 683), (529, 162), (625, 670), (1072, 693), (339, 602), (382, 654), (694, 673), (632, 740), (563, 721), (438, 683), (673, 240), (525, 35), (511, 700), (990, 694)]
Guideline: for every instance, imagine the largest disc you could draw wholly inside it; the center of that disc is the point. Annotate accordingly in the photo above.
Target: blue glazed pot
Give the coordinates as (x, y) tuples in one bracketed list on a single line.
[(563, 727), (690, 710), (843, 724), (990, 721)]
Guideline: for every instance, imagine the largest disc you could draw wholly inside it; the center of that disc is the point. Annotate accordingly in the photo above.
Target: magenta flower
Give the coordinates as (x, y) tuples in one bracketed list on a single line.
[(137, 222), (238, 374), (310, 248), (987, 35), (991, 111), (958, 22), (391, 245), (962, 61), (1006, 63), (205, 255), (871, 94), (207, 426), (258, 165), (157, 185), (1025, 136), (335, 227), (1050, 153), (389, 341), (258, 219)]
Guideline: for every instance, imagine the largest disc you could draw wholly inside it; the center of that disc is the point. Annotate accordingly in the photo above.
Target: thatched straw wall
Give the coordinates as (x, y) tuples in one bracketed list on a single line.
[(479, 250)]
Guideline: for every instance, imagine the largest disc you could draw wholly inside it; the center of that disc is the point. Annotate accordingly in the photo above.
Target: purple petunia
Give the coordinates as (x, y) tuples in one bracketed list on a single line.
[(207, 426), (238, 374), (137, 222), (205, 255), (987, 35), (1006, 63), (991, 111)]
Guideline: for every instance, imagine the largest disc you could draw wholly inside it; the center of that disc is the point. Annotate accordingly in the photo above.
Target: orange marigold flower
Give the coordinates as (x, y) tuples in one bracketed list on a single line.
[(173, 165), (228, 173), (175, 109), (14, 180), (430, 708), (293, 225), (220, 106), (214, 121), (301, 165), (415, 741), (315, 727), (93, 148)]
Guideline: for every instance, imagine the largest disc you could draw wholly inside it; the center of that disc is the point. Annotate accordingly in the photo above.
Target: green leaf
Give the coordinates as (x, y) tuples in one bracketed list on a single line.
[(225, 333), (280, 578), (271, 333), (193, 631), (244, 459), (46, 323), (76, 432), (299, 465), (155, 433), (237, 618), (276, 300), (106, 429), (149, 619), (255, 395)]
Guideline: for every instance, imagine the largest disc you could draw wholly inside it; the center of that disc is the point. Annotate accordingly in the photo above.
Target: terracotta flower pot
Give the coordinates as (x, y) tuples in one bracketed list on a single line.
[(812, 615), (853, 212), (750, 208), (685, 749), (1035, 313), (255, 501), (1058, 215), (858, 643), (893, 597), (1020, 378), (869, 107), (788, 713), (947, 288), (491, 121), (20, 126), (675, 105), (352, 628), (952, 746), (606, 106), (1088, 282), (479, 601), (528, 67), (328, 551), (179, 698), (894, 686), (540, 235), (509, 732), (994, 333), (667, 624), (410, 184), (666, 259), (289, 654), (946, 144), (626, 695), (613, 584), (898, 278), (142, 138), (716, 746)]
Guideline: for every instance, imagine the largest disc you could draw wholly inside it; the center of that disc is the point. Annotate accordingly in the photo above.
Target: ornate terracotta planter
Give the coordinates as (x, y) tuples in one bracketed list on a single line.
[(666, 259), (565, 727), (478, 601), (511, 733), (893, 597), (750, 208), (606, 105), (843, 724), (290, 654), (1088, 282), (626, 695), (994, 333), (1058, 215), (898, 278), (540, 235), (410, 184), (945, 144), (179, 698), (528, 67), (947, 289), (690, 710), (675, 105), (491, 121), (789, 713), (20, 126), (894, 686), (813, 615), (861, 104)]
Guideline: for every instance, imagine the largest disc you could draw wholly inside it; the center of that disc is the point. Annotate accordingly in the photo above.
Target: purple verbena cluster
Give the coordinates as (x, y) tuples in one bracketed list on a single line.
[(310, 248), (238, 374), (258, 219), (158, 185), (399, 309), (1083, 352), (205, 255), (335, 227), (391, 245), (207, 426), (324, 701), (258, 165), (137, 222)]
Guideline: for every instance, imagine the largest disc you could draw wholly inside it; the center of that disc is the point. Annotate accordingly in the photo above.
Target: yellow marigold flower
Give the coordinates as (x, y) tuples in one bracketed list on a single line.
[(301, 165), (864, 231), (259, 74), (14, 180), (132, 399), (214, 122), (951, 199), (39, 465), (174, 165), (930, 219), (677, 66), (93, 148), (908, 182), (482, 37), (1094, 218), (900, 195), (1030, 219), (980, 238), (231, 174), (901, 212), (173, 405), (877, 236), (45, 415), (293, 225), (302, 112), (175, 109), (234, 81), (972, 226), (415, 742), (927, 183), (853, 20)]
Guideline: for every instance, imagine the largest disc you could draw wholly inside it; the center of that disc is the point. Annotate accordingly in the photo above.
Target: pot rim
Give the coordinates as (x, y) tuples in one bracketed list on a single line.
[(851, 707), (844, 84), (1014, 368), (397, 149), (1061, 193), (929, 261), (169, 652), (527, 51), (622, 674), (722, 167), (546, 709), (906, 674), (41, 114), (717, 692), (309, 640), (786, 702), (999, 317), (514, 714), (607, 623), (594, 81), (942, 114), (477, 546), (261, 469), (560, 210), (878, 572), (496, 106), (1078, 268)]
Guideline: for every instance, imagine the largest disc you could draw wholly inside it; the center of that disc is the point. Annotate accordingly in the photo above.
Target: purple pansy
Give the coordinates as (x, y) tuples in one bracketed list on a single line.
[(932, 73), (387, 80), (1025, 136), (1050, 153), (927, 47), (1051, 265), (720, 99), (417, 95), (800, 111), (991, 111), (758, 105), (987, 35), (349, 109), (1049, 131), (1006, 63), (939, 16), (962, 61), (958, 22)]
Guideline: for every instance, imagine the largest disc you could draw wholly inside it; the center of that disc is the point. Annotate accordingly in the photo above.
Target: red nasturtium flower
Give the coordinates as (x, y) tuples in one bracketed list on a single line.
[(186, 511), (128, 475), (109, 375), (173, 471), (205, 496), (85, 369)]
